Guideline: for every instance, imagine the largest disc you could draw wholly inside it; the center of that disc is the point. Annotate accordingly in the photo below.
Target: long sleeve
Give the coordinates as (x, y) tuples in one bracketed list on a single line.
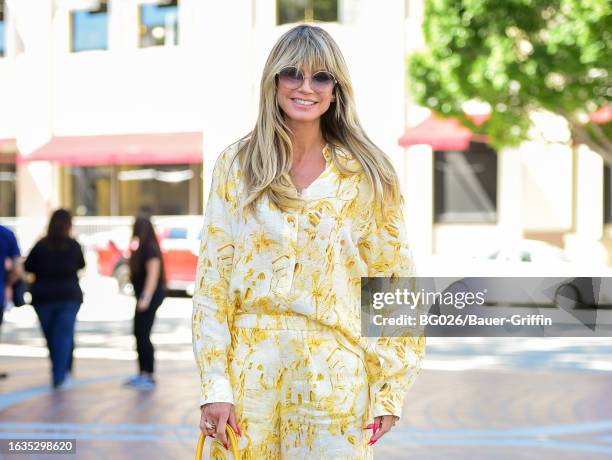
[(385, 250), (212, 310), (30, 265)]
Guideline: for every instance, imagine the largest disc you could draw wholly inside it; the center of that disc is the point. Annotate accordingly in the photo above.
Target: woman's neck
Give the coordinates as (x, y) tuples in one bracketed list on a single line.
[(307, 139)]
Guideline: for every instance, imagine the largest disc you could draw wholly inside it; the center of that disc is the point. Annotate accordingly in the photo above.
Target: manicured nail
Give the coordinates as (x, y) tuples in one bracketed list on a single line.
[(225, 445), (375, 427), (371, 443), (367, 427), (239, 432)]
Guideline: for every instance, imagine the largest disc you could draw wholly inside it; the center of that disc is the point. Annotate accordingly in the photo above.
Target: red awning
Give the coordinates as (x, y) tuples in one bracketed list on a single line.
[(156, 148), (439, 133), (603, 115)]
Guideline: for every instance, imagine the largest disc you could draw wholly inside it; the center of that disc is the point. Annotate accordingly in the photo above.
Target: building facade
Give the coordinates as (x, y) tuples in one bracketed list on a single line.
[(116, 107), (112, 108), (462, 198)]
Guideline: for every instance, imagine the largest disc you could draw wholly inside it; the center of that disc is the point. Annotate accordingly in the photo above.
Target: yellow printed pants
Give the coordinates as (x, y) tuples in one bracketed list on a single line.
[(300, 393)]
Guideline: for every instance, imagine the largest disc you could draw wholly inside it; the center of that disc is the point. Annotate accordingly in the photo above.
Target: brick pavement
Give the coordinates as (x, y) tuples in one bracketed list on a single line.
[(475, 414)]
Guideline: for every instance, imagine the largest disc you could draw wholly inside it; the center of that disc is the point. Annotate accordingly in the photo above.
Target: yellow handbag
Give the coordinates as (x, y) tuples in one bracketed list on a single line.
[(233, 442)]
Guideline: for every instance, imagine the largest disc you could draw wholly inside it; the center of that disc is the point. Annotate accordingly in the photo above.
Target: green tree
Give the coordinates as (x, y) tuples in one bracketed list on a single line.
[(518, 56)]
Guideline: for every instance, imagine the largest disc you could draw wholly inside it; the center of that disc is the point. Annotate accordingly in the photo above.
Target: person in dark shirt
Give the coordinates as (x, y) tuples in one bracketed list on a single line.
[(56, 295), (148, 278)]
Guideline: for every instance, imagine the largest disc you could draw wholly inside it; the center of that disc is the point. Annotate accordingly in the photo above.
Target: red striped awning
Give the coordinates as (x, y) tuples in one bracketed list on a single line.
[(152, 148)]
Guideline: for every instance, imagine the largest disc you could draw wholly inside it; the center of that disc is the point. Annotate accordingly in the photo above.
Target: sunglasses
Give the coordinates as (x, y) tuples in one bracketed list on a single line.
[(293, 78)]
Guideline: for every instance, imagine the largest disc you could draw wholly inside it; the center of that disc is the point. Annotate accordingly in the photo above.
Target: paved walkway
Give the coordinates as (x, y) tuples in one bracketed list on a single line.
[(475, 414), (539, 398)]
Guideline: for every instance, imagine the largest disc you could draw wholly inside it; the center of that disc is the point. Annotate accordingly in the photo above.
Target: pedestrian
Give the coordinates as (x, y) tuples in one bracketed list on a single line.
[(10, 272), (299, 210), (149, 280), (55, 261)]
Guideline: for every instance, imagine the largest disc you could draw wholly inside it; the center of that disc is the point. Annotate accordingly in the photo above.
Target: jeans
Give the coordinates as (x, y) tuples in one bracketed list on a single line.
[(57, 320)]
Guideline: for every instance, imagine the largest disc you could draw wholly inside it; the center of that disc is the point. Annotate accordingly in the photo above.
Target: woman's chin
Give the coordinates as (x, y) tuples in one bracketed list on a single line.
[(302, 117)]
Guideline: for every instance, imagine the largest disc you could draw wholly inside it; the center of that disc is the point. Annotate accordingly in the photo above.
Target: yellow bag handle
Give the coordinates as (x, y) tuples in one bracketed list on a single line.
[(233, 442)]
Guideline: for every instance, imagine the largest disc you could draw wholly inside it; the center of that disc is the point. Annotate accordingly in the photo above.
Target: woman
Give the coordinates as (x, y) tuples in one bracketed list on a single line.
[(55, 261), (290, 228), (148, 278)]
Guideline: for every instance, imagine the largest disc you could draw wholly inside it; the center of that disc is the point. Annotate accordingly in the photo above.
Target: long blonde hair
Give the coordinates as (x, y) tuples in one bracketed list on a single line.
[(266, 152)]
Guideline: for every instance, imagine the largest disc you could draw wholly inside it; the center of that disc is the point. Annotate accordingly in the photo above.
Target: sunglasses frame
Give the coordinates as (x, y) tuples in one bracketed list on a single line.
[(335, 82)]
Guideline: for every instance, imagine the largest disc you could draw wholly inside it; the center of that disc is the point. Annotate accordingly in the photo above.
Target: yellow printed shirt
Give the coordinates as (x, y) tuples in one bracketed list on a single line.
[(306, 261)]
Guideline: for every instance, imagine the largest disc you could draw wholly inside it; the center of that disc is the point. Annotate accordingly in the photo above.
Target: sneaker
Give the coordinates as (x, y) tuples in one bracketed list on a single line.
[(133, 380), (144, 383), (66, 383)]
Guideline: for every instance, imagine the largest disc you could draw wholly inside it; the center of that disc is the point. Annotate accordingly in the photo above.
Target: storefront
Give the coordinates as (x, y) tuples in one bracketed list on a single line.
[(128, 174)]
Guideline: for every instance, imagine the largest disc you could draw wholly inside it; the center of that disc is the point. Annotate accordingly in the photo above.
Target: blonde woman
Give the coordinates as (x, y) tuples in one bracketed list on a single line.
[(299, 210)]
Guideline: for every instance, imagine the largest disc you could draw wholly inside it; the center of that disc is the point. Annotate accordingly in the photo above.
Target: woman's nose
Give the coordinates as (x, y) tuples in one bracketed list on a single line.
[(306, 85)]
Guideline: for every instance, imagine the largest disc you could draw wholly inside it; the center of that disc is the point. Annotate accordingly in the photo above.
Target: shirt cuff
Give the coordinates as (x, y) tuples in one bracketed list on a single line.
[(387, 402), (219, 391)]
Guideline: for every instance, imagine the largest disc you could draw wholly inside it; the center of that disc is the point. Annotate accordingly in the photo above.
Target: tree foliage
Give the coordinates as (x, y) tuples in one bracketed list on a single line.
[(518, 56)]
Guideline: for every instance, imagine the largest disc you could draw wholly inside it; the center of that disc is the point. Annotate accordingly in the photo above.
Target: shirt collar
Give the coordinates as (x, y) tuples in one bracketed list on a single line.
[(327, 152)]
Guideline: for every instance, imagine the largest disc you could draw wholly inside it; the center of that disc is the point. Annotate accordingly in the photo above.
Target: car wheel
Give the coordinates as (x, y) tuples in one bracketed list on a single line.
[(122, 275), (567, 297)]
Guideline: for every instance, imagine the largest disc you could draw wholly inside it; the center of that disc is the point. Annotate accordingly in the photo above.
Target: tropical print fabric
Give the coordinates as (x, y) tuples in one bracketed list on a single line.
[(297, 270)]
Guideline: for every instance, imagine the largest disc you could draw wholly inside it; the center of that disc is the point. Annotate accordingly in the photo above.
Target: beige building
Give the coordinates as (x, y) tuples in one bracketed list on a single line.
[(113, 107)]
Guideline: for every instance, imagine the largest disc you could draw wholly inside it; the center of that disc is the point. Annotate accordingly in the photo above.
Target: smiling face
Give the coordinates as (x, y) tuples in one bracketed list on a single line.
[(304, 103)]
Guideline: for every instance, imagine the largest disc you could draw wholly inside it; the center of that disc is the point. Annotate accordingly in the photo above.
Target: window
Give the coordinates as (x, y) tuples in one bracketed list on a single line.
[(8, 183), (87, 190), (607, 217), (128, 190), (466, 185), (2, 30), (156, 189), (90, 28), (288, 11), (159, 23)]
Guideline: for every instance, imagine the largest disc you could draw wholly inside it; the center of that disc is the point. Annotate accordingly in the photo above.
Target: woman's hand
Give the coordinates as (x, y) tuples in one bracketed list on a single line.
[(382, 424), (214, 418), (142, 304)]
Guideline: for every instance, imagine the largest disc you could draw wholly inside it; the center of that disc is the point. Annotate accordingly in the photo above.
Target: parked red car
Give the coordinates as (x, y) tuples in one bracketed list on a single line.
[(179, 246)]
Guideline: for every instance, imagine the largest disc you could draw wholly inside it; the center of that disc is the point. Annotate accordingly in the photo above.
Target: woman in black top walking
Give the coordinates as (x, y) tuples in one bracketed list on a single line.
[(56, 295), (148, 279)]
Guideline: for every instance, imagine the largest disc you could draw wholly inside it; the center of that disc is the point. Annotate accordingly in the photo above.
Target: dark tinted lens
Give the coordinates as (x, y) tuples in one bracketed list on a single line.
[(323, 80), (290, 76)]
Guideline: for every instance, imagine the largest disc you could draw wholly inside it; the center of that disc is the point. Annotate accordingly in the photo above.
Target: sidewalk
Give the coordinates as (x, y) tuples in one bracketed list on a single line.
[(475, 414)]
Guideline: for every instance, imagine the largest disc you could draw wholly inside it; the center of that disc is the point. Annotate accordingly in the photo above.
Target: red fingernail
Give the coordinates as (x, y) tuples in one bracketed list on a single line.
[(367, 427), (371, 443), (375, 427), (225, 445), (239, 432)]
